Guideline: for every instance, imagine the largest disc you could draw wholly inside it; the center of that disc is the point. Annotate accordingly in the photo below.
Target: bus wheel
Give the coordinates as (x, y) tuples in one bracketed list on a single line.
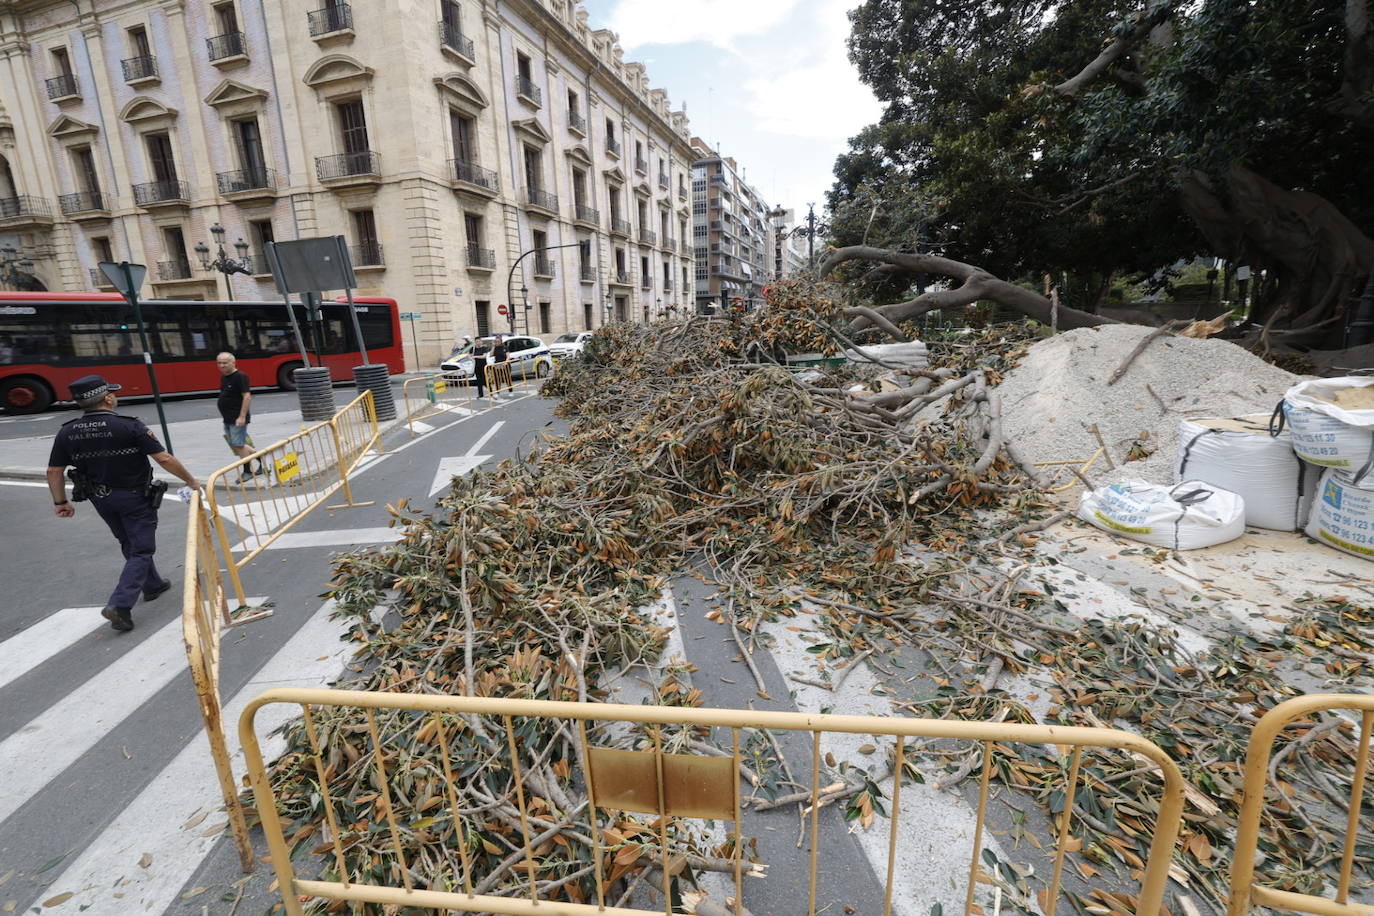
[(542, 370), (286, 375), (25, 395)]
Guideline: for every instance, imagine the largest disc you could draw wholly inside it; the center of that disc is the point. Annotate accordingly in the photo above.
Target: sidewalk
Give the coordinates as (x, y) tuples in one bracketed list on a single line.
[(198, 443)]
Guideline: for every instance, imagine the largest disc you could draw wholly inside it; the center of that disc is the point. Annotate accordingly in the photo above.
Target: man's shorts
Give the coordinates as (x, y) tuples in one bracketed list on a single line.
[(237, 435)]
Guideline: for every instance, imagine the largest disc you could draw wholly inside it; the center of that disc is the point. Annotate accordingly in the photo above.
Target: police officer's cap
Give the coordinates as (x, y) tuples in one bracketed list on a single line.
[(91, 386)]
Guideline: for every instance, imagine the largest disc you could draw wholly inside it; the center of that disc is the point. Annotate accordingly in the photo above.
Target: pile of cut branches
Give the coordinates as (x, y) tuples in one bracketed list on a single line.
[(692, 448)]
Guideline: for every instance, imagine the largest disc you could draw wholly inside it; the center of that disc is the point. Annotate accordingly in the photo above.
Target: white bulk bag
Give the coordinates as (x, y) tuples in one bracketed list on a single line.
[(1183, 517), (1240, 455), (1324, 432), (1343, 515), (911, 354)]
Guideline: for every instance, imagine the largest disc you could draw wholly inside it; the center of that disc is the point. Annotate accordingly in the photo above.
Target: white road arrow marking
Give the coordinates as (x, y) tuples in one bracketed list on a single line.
[(450, 468)]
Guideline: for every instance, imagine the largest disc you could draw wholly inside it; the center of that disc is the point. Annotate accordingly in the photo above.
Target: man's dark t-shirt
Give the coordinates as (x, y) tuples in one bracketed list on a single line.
[(232, 388)]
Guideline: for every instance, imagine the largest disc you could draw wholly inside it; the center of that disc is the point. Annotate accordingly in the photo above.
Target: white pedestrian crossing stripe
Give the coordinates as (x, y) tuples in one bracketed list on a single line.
[(350, 537), (31, 647), (106, 879)]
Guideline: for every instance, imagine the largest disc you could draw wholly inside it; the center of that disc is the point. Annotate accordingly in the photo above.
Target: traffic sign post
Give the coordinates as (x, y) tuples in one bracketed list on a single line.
[(413, 317), (127, 278)]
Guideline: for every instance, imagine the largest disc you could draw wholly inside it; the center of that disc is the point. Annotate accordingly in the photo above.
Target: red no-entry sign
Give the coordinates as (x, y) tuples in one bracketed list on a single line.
[(502, 309)]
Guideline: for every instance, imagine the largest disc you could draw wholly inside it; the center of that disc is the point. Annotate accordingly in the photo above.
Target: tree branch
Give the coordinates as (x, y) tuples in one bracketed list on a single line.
[(1145, 22)]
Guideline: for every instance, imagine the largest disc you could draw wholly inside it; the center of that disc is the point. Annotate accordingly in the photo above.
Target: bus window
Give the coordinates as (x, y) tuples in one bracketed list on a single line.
[(184, 332), (376, 324)]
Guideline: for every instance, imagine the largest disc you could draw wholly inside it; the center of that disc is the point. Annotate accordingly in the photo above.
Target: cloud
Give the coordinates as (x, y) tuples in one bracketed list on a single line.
[(717, 22)]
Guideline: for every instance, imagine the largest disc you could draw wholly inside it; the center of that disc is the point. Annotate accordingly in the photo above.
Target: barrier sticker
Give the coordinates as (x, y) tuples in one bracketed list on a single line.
[(288, 467)]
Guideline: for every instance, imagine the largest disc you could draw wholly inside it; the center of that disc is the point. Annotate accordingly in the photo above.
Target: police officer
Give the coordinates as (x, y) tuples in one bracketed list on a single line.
[(110, 453)]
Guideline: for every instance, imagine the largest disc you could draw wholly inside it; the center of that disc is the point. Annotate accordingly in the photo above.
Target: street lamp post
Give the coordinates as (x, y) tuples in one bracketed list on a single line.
[(510, 280), (222, 262)]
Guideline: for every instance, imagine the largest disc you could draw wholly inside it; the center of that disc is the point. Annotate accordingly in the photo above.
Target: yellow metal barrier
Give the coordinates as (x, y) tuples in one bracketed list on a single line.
[(427, 395), (1246, 891), (499, 377), (204, 611), (674, 786), (295, 476)]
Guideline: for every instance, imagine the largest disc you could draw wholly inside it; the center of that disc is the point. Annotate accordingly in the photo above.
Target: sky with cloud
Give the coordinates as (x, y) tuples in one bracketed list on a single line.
[(768, 81)]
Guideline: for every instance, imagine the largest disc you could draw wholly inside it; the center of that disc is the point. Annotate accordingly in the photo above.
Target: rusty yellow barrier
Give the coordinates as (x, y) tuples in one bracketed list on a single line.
[(1246, 890), (499, 377), (293, 477), (204, 612), (674, 786), (427, 395)]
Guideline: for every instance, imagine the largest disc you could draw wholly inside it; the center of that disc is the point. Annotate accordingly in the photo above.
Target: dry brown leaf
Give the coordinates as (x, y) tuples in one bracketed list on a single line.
[(145, 860), (59, 899)]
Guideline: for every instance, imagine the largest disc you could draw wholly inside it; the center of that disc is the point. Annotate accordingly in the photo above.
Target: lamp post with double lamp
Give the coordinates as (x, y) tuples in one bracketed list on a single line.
[(16, 271), (510, 281), (222, 262)]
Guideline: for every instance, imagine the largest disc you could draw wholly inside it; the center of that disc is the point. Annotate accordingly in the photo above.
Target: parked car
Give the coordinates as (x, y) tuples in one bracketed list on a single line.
[(528, 356), (570, 344)]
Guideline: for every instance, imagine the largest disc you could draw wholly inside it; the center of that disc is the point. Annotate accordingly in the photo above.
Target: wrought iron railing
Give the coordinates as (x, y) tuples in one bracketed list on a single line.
[(484, 258), (663, 181), (334, 18), (230, 44), (587, 273), (577, 122), (174, 270), (343, 165), (98, 278), (245, 180), (450, 37), (587, 214), (367, 254), (475, 174), (526, 87), (538, 197), (139, 68), (648, 236), (62, 86), (641, 164), (82, 202), (612, 146), (543, 265), (620, 226), (156, 192), (255, 264), (622, 277), (669, 243)]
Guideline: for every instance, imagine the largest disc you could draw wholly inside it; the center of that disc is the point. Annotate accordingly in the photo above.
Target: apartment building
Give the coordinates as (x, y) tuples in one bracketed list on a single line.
[(789, 243), (448, 140), (732, 230)]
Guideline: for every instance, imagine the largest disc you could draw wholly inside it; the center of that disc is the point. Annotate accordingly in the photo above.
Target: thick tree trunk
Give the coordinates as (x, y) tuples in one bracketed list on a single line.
[(975, 284), (1315, 255)]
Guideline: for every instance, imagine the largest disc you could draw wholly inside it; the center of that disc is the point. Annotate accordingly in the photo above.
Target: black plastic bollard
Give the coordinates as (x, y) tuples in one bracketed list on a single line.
[(376, 377), (316, 393)]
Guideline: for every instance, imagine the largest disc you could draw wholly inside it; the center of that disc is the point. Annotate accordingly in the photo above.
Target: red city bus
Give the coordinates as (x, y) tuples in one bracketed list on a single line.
[(48, 340)]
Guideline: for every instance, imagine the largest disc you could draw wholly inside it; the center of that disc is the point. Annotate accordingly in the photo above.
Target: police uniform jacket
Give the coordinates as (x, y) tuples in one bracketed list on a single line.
[(110, 449)]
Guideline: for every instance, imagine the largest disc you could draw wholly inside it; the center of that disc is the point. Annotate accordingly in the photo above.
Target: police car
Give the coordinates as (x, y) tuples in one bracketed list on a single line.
[(528, 356)]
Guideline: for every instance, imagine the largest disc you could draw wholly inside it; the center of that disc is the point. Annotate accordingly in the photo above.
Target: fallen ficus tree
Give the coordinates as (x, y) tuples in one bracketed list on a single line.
[(689, 450)]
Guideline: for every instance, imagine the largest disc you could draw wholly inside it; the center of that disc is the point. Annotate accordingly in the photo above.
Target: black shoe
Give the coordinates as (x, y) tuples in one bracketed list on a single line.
[(119, 618), (155, 593)]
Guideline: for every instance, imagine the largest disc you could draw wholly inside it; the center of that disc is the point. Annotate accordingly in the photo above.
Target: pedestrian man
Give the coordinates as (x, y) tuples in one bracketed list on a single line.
[(108, 454), (479, 366), (235, 395), (499, 353)]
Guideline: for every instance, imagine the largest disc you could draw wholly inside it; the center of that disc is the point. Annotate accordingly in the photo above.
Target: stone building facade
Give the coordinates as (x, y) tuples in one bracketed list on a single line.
[(732, 229), (443, 139)]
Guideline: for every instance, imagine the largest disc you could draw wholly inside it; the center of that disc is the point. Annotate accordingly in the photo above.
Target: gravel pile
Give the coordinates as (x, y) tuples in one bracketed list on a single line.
[(1060, 390)]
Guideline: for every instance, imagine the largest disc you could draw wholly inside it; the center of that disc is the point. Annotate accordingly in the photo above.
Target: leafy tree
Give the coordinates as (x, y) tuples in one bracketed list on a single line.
[(1094, 137)]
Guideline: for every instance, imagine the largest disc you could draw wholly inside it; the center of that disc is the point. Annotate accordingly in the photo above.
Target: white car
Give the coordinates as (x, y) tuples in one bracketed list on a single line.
[(570, 344), (528, 356)]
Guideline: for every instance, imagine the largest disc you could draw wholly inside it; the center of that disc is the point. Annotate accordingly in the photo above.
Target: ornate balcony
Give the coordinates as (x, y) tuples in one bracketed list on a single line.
[(543, 266), (648, 236), (331, 19), (227, 47), (587, 273), (61, 88), (527, 90), (470, 176), (453, 40), (577, 122), (663, 182), (641, 165), (368, 254), (162, 194), (620, 227), (99, 280), (247, 184), (587, 215), (541, 200), (620, 278), (85, 205), (613, 146), (25, 212), (346, 169), (481, 258), (139, 70), (168, 271)]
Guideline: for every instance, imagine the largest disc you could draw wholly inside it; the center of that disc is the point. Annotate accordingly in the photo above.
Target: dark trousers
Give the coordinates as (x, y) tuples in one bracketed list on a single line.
[(479, 376), (133, 522)]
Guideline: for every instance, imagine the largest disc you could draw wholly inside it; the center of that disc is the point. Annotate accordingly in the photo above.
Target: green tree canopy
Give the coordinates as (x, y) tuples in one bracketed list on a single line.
[(1097, 136)]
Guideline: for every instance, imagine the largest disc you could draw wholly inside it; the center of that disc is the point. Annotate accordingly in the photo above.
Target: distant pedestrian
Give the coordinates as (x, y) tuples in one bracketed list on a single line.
[(235, 396), (479, 367), (498, 356), (108, 454)]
